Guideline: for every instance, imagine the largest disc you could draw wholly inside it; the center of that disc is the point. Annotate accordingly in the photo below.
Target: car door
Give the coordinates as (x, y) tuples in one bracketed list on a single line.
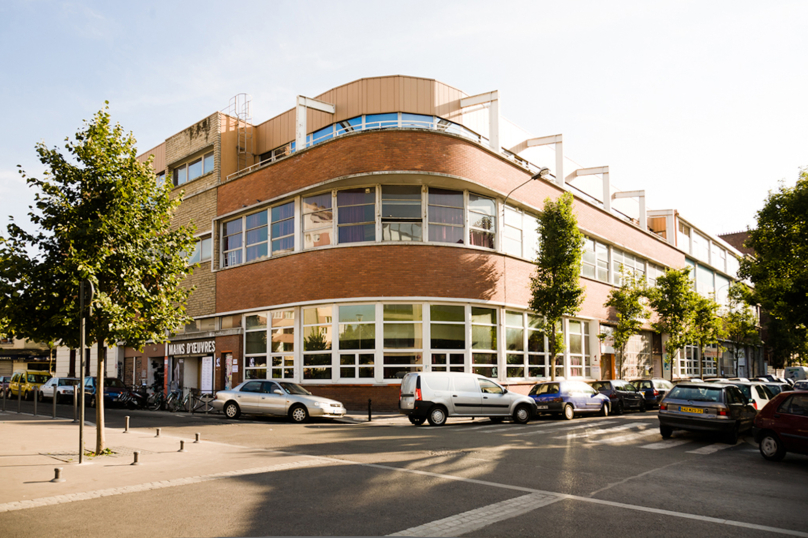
[(495, 401), (737, 404), (272, 402), (792, 423), (466, 396), (249, 397)]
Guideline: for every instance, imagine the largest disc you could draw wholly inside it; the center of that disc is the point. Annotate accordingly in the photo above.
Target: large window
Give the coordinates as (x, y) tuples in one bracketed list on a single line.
[(282, 350), (356, 213), (269, 345), (447, 337), (357, 341), (202, 251), (684, 237), (318, 220), (579, 352), (595, 260), (630, 264), (403, 341), (402, 218), (255, 347), (520, 234), (482, 221), (446, 216), (193, 169), (484, 341), (700, 247), (252, 237), (317, 343)]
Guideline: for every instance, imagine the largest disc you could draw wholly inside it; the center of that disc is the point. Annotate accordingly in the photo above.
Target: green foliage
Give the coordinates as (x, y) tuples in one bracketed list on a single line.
[(739, 321), (555, 286), (778, 266), (708, 327), (627, 302), (675, 303), (100, 216)]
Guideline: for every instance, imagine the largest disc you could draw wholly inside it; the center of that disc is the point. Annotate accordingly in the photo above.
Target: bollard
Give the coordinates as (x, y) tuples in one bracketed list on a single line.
[(19, 398), (4, 399), (58, 476), (126, 426), (54, 401), (197, 438), (182, 446), (137, 456), (369, 409), (75, 403), (158, 432), (35, 398)]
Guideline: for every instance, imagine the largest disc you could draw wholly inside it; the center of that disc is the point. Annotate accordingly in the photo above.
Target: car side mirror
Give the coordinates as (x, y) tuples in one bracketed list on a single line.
[(278, 391), (504, 390)]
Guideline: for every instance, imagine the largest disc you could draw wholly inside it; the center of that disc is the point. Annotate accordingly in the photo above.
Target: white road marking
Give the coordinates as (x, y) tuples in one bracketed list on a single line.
[(626, 438), (710, 449), (600, 431), (479, 518), (667, 443), (567, 428)]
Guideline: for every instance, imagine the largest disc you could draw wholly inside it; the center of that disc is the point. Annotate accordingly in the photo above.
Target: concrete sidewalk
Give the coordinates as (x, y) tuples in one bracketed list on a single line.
[(31, 447)]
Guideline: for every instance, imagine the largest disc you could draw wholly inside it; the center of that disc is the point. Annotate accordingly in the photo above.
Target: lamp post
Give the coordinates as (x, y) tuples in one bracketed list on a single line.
[(541, 174)]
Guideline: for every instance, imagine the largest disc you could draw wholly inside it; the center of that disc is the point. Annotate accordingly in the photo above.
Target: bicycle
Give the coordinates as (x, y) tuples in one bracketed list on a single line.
[(173, 401), (156, 401)]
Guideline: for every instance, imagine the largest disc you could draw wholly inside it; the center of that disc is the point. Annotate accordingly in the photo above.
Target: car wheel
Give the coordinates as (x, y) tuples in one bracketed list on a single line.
[(521, 414), (299, 413), (417, 421), (231, 410), (642, 407), (732, 437), (604, 410), (569, 412), (437, 416), (771, 447), (665, 431), (40, 397), (620, 409)]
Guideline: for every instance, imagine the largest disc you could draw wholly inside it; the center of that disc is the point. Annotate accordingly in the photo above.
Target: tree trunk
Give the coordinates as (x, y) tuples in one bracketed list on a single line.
[(100, 440), (552, 353)]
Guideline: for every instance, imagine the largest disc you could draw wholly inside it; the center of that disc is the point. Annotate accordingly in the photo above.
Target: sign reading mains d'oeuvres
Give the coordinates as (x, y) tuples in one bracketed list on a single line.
[(192, 348)]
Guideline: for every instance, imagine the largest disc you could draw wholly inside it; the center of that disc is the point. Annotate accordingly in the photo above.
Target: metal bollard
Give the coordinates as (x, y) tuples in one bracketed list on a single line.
[(58, 475), (19, 398), (55, 392), (137, 456), (197, 438), (126, 425), (370, 403), (75, 403), (158, 432), (182, 446), (4, 399), (35, 398)]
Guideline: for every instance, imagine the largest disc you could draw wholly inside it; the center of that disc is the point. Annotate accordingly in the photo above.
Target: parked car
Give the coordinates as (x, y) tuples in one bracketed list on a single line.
[(568, 398), (800, 385), (688, 380), (776, 387), (115, 392), (25, 382), (706, 407), (64, 389), (797, 373), (653, 390), (4, 381), (435, 396), (757, 392), (622, 394), (279, 398), (782, 426)]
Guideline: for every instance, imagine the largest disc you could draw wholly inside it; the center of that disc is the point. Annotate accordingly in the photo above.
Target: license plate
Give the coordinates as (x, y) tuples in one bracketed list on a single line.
[(691, 410), (542, 406)]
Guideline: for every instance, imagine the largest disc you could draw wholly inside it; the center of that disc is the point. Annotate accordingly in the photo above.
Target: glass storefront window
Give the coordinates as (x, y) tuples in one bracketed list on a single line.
[(317, 337)]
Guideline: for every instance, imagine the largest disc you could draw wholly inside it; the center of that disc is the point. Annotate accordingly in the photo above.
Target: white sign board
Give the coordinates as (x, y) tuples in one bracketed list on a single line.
[(206, 376)]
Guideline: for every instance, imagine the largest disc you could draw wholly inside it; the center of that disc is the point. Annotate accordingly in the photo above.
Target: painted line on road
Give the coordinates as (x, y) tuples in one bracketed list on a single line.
[(479, 518), (554, 430), (667, 443), (626, 438), (711, 449), (601, 431)]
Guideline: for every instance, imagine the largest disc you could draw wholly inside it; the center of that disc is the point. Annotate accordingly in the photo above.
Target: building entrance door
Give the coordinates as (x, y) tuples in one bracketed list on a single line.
[(607, 366)]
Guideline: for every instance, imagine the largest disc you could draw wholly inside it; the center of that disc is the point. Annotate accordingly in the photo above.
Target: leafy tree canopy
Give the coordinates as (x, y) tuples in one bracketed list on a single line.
[(630, 311), (675, 302)]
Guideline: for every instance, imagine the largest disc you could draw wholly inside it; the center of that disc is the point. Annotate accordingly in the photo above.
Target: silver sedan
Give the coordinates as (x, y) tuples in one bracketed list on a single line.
[(278, 398)]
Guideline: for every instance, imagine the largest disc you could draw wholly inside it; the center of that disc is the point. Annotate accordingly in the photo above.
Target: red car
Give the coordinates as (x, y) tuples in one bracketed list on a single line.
[(782, 425)]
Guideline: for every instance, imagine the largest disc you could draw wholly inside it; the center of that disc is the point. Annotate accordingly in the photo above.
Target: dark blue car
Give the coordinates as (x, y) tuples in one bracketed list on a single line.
[(568, 398), (114, 391)]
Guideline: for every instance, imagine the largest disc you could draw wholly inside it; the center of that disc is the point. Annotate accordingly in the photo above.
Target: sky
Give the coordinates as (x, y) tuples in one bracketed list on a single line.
[(704, 105)]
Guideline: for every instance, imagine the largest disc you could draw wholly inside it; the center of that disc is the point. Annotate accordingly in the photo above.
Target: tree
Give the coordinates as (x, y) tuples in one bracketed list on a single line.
[(777, 267), (101, 217), (674, 301), (627, 302), (707, 328), (555, 287), (739, 321)]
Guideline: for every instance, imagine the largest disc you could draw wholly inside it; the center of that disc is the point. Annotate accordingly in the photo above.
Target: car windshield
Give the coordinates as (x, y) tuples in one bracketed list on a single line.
[(696, 394), (68, 382), (38, 378), (293, 388), (114, 383)]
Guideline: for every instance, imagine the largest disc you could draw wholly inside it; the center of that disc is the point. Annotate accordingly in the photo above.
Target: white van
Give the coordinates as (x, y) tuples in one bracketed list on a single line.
[(438, 395), (796, 373)]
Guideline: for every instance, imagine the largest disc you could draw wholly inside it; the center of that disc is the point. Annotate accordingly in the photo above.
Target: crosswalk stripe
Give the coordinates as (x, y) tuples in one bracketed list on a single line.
[(709, 449), (556, 430), (627, 437), (667, 443), (601, 431)]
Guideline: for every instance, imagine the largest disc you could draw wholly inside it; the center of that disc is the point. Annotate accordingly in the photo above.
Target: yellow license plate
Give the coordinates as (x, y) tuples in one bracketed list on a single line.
[(691, 410)]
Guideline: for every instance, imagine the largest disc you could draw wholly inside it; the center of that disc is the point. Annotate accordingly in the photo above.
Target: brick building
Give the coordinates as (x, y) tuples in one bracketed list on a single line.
[(389, 225)]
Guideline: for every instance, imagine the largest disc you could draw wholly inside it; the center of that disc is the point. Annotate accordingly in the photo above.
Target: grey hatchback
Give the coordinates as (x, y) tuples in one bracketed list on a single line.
[(706, 407)]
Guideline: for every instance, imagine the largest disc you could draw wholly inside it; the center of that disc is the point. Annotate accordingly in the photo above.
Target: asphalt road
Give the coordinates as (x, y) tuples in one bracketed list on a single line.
[(599, 476)]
